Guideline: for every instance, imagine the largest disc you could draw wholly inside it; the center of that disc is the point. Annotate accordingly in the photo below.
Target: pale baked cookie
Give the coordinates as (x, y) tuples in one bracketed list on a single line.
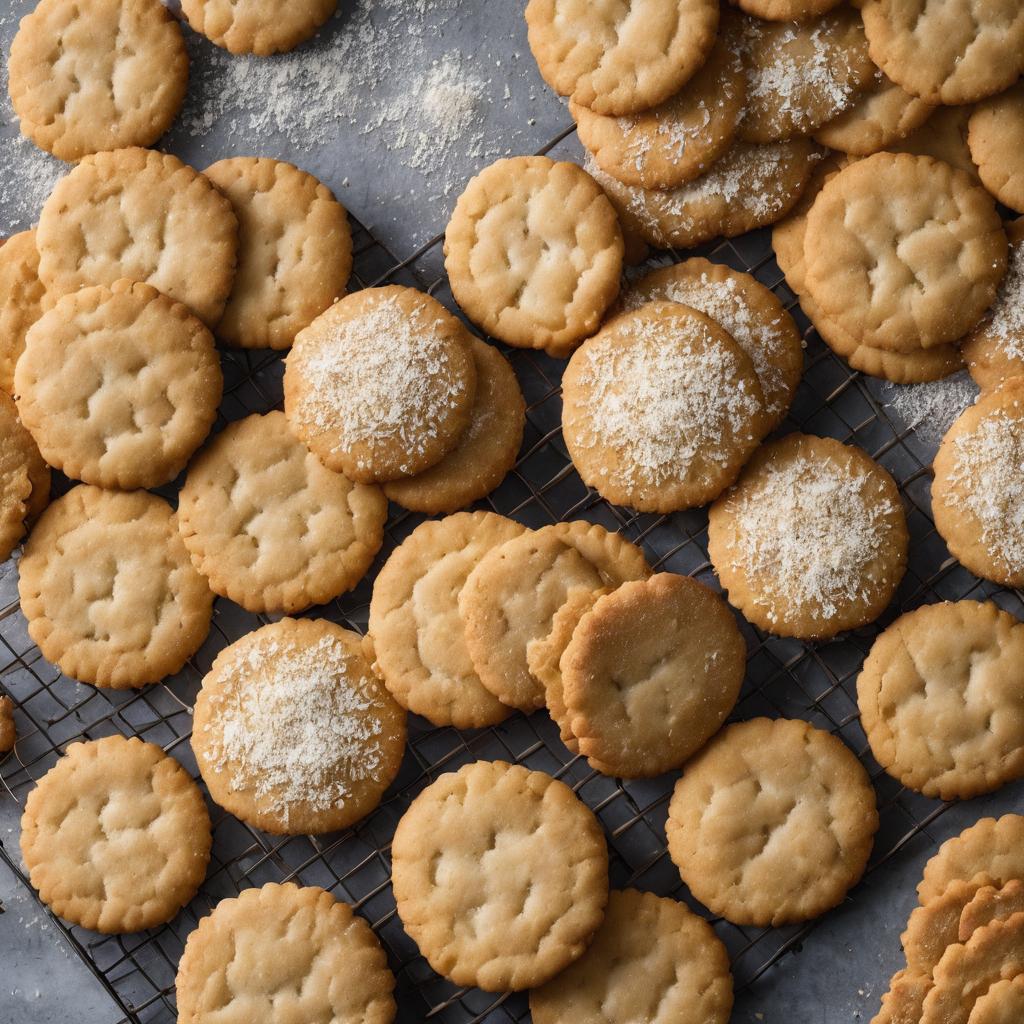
[(650, 674), (381, 385), (947, 51), (622, 58), (991, 846), (652, 959), (661, 409), (21, 296), (500, 876), (116, 836), (903, 252), (750, 313), (533, 252), (284, 953), (943, 136), (1003, 1003), (996, 139), (293, 732), (24, 478), (991, 903), (785, 10), (772, 822), (616, 559), (91, 75), (901, 1004), (801, 74), (143, 215), (934, 927), (940, 699), (812, 539), (485, 452), (270, 526), (109, 592), (748, 187), (417, 633), (8, 729), (978, 490), (118, 385), (294, 249), (680, 138), (262, 27)]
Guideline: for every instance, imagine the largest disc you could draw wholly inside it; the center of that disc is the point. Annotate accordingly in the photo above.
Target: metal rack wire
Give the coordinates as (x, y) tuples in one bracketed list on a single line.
[(785, 677)]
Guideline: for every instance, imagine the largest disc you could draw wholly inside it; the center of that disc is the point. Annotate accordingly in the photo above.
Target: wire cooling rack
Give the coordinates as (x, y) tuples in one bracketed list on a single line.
[(785, 678)]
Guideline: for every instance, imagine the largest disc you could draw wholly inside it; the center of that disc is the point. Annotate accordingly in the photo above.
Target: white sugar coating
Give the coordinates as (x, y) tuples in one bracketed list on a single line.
[(1006, 317), (670, 137), (929, 409)]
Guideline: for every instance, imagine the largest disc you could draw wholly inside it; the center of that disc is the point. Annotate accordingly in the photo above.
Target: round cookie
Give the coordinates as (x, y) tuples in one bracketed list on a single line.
[(116, 836), (661, 409), (485, 452), (534, 252), (118, 385), (91, 75), (143, 215), (940, 699), (944, 137), (21, 297), (650, 674), (24, 478), (750, 313), (262, 27), (748, 187), (270, 526), (772, 822), (995, 136), (624, 58), (109, 592), (994, 847), (382, 384), (785, 10), (652, 959), (293, 732), (616, 559), (812, 539), (500, 876), (417, 633), (951, 52), (1003, 1003), (991, 903), (680, 138), (903, 252), (294, 250), (283, 953)]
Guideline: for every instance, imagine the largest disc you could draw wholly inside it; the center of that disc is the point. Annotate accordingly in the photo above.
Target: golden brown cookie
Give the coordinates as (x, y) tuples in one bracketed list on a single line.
[(24, 478), (533, 252), (294, 250), (901, 1004), (109, 592), (91, 75), (270, 526), (785, 10), (382, 384), (991, 903), (293, 732), (500, 876), (262, 27), (943, 136), (21, 296), (772, 822), (991, 846), (934, 927), (8, 727), (116, 836), (995, 136), (1003, 1003), (616, 559)]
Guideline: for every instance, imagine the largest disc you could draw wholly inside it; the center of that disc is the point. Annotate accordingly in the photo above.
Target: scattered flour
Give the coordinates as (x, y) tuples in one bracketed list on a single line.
[(930, 409)]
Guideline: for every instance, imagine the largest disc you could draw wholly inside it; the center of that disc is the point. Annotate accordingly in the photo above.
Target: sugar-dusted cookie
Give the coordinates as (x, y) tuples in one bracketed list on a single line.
[(678, 139), (772, 822), (118, 385), (108, 589), (8, 727), (940, 699), (650, 674), (624, 58), (270, 526), (485, 452), (812, 539), (903, 252), (500, 875), (91, 75), (991, 903), (934, 927), (901, 1004), (947, 51), (748, 187), (417, 632), (652, 959), (293, 732), (143, 215), (978, 490), (992, 846), (21, 296), (381, 385), (533, 252), (801, 74), (116, 836), (944, 137), (24, 478), (1003, 1003), (995, 136), (283, 953), (753, 316), (294, 250), (661, 409), (262, 27)]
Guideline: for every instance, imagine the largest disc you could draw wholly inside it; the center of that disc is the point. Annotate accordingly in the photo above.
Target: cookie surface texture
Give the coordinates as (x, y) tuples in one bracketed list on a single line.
[(992, 846), (901, 1004), (21, 296), (995, 136), (991, 903), (22, 475), (262, 27), (933, 928), (498, 843), (116, 836), (785, 10), (944, 137), (533, 252), (1003, 1003)]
